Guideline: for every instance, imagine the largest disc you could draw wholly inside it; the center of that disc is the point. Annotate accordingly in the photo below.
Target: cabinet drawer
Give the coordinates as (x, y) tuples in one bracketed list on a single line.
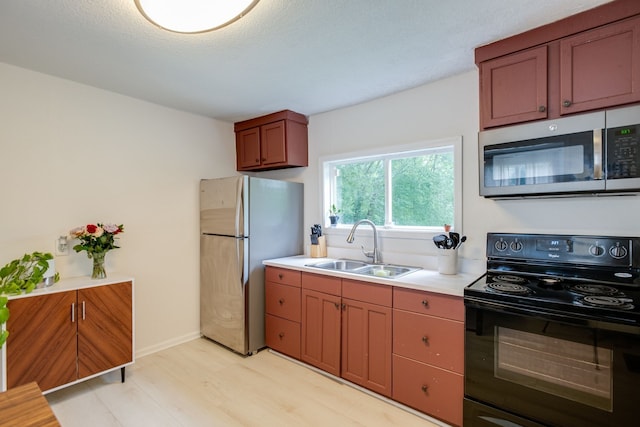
[(440, 305), (431, 390), (367, 292), (282, 301), (283, 335), (432, 340), (282, 276), (325, 284)]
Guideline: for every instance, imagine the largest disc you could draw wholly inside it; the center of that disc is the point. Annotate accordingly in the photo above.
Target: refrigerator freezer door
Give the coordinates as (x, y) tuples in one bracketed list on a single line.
[(222, 291), (222, 206)]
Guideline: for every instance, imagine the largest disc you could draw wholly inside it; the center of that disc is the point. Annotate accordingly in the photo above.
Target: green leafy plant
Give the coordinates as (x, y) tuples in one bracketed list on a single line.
[(334, 211), (20, 275)]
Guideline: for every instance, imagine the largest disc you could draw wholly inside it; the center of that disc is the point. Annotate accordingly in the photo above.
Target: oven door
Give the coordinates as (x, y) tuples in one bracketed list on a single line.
[(553, 156), (548, 369)]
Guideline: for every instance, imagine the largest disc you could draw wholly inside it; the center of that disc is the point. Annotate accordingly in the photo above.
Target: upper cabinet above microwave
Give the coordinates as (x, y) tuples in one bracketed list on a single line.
[(274, 141), (586, 62)]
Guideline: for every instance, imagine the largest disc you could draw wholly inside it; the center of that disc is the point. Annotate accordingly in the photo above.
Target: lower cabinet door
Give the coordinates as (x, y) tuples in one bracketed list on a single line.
[(320, 336), (434, 391), (366, 345), (42, 340), (105, 328), (283, 335)]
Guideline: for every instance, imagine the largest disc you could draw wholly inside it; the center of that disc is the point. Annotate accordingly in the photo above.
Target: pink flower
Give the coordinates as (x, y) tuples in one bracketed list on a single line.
[(111, 228)]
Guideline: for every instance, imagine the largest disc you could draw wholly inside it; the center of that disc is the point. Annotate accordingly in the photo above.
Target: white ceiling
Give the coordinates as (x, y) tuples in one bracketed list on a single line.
[(309, 56)]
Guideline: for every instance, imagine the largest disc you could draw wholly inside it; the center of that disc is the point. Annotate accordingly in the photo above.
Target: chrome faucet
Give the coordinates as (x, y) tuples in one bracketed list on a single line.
[(375, 254)]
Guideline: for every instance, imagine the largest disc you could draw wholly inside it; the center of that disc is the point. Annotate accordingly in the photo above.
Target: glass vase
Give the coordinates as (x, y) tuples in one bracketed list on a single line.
[(98, 265)]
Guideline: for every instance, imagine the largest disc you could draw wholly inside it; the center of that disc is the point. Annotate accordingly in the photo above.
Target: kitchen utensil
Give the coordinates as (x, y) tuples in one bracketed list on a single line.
[(462, 240), (439, 241), (455, 237)]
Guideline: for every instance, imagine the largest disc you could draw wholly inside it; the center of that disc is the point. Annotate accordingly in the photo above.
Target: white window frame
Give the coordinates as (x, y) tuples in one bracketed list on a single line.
[(395, 151)]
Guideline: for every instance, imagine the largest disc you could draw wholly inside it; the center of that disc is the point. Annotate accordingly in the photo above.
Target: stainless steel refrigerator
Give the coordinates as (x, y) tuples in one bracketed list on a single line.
[(243, 221)]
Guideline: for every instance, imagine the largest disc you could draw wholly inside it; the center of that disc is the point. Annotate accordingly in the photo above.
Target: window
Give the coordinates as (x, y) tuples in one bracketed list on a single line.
[(415, 186)]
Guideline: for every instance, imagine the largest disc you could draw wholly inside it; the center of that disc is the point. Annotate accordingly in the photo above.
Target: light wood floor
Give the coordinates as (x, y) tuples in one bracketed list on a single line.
[(202, 384)]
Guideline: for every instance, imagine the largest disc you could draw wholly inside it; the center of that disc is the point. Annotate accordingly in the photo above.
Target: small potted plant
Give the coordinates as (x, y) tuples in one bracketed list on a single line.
[(333, 215), (20, 275)]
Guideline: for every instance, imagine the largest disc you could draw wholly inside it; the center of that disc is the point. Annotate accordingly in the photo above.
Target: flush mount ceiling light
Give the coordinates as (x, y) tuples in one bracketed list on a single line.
[(193, 16)]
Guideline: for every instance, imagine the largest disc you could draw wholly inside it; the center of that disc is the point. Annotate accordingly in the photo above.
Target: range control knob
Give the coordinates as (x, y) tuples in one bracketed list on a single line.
[(618, 251), (516, 246), (501, 245), (597, 250)]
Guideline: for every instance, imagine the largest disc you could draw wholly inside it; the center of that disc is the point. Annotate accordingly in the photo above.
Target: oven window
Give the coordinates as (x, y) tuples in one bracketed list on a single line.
[(575, 371)]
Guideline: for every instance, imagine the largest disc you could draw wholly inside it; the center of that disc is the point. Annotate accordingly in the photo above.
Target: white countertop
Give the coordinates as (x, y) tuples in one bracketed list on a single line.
[(426, 280), (74, 283)]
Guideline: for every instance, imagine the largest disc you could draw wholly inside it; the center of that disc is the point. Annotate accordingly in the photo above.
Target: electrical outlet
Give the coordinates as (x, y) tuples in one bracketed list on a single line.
[(61, 246)]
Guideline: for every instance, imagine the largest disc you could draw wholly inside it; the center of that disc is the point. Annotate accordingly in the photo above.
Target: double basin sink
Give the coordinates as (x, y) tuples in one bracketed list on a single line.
[(388, 271)]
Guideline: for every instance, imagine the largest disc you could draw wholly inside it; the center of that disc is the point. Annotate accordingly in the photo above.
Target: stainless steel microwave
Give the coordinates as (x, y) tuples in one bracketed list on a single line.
[(589, 153)]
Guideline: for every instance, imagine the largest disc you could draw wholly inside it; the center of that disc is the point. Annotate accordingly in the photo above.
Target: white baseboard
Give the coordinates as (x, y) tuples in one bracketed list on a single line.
[(140, 352)]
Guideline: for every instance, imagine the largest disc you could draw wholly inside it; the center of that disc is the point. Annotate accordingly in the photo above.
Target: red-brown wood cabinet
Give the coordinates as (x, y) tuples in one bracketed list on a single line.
[(588, 61), (282, 307), (400, 343), (366, 335), (321, 317), (428, 353), (274, 141)]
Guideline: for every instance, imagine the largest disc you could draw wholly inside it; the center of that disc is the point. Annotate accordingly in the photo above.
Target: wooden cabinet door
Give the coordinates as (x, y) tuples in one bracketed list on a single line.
[(273, 145), (600, 68), (513, 88), (320, 334), (42, 340), (366, 345), (248, 148), (105, 328)]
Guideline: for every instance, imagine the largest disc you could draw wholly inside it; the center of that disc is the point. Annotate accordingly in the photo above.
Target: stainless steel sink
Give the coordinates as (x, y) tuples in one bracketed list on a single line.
[(388, 271), (340, 264)]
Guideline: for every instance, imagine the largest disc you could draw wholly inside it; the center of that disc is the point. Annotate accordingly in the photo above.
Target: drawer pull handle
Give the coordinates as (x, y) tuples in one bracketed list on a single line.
[(425, 303), (425, 339), (424, 388), (281, 335), (281, 301), (280, 276), (73, 312)]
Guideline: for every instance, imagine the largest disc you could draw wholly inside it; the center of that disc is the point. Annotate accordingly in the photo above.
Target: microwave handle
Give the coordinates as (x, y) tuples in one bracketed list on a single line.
[(597, 154)]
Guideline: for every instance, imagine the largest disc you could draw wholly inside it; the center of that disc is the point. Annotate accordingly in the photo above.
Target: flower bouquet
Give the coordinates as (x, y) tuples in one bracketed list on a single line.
[(97, 239)]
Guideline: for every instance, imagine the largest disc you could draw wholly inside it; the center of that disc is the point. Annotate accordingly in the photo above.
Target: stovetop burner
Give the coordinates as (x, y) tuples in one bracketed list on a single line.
[(607, 301), (510, 278), (509, 287), (593, 289)]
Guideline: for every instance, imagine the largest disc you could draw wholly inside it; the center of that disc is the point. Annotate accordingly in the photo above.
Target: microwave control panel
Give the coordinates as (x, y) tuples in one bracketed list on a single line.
[(623, 152)]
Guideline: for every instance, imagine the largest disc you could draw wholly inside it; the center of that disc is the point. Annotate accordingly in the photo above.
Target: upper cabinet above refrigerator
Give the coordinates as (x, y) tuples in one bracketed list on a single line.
[(274, 141)]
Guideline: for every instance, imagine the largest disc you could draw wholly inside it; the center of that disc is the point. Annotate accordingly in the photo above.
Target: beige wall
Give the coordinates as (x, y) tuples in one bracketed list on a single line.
[(72, 154)]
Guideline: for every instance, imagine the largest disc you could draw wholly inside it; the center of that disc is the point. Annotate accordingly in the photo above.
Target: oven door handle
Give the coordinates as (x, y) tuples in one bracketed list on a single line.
[(550, 315)]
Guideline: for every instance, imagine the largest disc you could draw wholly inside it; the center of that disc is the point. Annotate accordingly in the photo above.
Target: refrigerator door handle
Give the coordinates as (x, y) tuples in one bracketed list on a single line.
[(239, 207), (244, 266)]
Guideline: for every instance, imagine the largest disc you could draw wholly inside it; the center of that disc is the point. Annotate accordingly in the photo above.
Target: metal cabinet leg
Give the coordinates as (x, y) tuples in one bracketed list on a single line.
[(122, 373)]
